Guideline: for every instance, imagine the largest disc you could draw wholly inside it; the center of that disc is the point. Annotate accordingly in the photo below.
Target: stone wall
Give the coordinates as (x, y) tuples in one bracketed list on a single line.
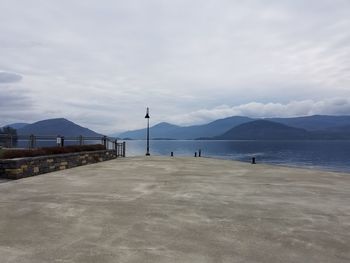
[(24, 167)]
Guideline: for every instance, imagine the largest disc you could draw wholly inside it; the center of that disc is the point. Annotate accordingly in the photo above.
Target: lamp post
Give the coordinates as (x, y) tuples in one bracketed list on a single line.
[(147, 117)]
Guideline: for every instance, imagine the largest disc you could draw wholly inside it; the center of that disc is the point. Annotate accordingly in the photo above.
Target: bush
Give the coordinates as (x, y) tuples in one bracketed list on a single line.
[(9, 154)]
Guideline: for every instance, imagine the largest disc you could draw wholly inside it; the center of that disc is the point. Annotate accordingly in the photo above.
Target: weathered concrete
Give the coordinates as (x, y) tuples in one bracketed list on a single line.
[(176, 210)]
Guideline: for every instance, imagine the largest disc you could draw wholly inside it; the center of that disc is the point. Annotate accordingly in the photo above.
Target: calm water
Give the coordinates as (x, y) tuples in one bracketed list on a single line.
[(325, 155)]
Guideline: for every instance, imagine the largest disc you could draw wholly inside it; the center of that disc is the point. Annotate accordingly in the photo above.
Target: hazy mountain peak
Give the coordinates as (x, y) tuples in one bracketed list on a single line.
[(57, 126), (17, 125), (165, 125), (54, 120)]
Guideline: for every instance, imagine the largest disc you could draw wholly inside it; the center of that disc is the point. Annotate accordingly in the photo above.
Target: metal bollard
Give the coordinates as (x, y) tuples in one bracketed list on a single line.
[(172, 154), (253, 160)]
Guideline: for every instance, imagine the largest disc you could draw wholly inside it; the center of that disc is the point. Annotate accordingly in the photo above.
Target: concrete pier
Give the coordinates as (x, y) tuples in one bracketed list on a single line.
[(163, 209)]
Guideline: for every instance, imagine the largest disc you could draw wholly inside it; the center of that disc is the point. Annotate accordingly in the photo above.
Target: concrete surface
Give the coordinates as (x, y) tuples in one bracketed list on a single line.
[(3, 180), (160, 209)]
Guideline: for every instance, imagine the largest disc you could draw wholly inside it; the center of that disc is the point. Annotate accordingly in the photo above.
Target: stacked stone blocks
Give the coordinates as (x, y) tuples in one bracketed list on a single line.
[(30, 166)]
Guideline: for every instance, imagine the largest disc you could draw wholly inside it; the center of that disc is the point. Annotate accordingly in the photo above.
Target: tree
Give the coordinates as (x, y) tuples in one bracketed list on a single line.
[(8, 136), (9, 130)]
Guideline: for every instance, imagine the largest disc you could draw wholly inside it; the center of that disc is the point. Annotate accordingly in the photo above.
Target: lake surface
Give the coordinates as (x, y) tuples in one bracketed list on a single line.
[(324, 155)]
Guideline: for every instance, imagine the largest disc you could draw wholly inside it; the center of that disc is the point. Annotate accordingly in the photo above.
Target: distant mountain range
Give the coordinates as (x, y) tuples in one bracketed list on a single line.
[(244, 128), (315, 122), (268, 130), (170, 131), (264, 130), (232, 128), (18, 125), (58, 126)]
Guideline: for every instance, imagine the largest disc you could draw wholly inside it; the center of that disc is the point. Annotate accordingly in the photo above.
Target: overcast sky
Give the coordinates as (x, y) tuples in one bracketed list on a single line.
[(101, 63)]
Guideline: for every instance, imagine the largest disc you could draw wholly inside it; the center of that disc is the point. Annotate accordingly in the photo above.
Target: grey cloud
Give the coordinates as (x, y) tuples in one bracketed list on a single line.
[(13, 97), (103, 62), (8, 77), (16, 106)]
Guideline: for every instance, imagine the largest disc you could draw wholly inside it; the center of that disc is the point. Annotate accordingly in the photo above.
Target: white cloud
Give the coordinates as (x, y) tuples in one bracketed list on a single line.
[(334, 106)]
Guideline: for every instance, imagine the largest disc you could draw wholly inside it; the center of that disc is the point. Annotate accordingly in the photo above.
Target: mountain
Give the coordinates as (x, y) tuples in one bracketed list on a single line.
[(16, 126), (318, 127), (333, 133), (264, 130), (315, 122), (213, 128), (161, 130), (166, 130), (58, 126), (340, 129)]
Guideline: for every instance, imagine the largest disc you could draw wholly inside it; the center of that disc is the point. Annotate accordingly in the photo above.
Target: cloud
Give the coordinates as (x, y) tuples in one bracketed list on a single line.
[(16, 105), (102, 63), (8, 77), (334, 106)]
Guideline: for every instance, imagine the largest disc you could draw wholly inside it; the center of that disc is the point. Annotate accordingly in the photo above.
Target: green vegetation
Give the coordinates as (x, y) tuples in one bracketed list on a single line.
[(6, 135), (8, 131), (13, 153)]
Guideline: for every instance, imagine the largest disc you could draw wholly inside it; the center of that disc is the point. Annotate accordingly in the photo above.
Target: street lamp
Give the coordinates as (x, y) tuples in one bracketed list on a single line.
[(147, 117)]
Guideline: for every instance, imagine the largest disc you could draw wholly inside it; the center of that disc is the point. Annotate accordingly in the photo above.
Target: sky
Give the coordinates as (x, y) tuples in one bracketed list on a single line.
[(101, 63)]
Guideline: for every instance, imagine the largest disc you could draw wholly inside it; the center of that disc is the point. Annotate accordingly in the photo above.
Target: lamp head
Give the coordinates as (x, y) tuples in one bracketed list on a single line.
[(147, 114)]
